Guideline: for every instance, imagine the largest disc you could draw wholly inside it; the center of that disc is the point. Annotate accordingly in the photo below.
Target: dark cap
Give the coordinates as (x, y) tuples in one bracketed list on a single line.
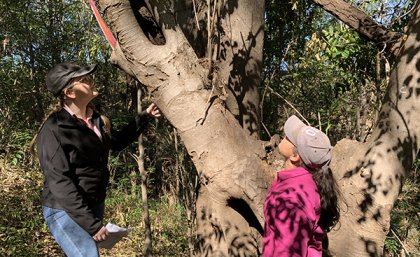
[(313, 145), (61, 74)]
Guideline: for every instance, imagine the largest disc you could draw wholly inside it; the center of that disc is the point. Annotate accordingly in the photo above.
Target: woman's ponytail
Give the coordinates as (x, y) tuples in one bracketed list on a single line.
[(105, 120), (52, 110)]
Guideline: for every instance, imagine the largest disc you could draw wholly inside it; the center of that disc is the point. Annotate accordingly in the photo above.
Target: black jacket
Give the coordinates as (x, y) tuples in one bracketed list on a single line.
[(75, 163)]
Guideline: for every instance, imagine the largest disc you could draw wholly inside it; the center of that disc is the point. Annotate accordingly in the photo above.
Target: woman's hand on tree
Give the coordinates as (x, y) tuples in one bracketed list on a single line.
[(153, 111)]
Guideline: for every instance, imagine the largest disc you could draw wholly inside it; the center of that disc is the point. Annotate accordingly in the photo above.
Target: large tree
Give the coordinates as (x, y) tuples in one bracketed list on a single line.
[(202, 63)]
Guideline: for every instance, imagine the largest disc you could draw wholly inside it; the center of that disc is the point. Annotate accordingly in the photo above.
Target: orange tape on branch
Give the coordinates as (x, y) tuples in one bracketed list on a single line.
[(107, 32)]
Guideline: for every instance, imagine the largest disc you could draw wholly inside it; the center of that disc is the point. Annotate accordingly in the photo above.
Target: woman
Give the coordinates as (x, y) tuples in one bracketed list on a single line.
[(73, 146), (301, 205)]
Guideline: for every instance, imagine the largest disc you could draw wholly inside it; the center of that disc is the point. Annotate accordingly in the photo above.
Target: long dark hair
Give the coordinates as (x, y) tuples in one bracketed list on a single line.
[(328, 192)]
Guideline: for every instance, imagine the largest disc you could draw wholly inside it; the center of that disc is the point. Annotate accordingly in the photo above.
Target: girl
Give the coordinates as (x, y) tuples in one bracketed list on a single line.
[(301, 205), (73, 146)]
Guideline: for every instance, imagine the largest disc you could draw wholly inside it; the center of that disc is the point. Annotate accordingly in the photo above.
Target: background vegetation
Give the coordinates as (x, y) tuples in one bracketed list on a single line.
[(312, 63)]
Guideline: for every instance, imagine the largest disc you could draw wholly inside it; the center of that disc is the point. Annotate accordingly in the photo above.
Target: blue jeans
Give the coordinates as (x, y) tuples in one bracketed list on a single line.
[(72, 238)]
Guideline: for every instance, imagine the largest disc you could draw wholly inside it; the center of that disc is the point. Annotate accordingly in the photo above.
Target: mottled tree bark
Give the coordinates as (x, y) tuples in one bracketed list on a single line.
[(371, 174), (192, 88)]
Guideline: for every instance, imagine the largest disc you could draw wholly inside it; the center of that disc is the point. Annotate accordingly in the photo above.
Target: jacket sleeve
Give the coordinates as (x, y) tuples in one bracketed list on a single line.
[(128, 134), (287, 229), (59, 179)]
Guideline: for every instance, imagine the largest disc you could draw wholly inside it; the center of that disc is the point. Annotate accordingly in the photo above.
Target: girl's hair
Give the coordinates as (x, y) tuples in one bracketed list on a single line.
[(328, 192), (59, 105)]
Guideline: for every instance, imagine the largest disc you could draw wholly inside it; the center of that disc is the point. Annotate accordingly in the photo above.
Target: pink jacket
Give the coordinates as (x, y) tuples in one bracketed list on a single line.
[(292, 211)]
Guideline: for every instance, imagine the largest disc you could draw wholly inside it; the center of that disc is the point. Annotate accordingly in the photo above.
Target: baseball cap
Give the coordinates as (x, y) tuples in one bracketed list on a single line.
[(313, 145), (61, 74)]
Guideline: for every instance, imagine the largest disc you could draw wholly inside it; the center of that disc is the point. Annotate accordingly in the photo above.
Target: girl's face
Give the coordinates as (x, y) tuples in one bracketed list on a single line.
[(288, 150)]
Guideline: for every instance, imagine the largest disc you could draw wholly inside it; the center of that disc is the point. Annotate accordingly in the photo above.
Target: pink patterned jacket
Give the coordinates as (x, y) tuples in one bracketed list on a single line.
[(292, 211)]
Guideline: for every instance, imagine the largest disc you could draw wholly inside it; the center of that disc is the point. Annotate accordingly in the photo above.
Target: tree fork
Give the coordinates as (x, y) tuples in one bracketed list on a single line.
[(221, 149)]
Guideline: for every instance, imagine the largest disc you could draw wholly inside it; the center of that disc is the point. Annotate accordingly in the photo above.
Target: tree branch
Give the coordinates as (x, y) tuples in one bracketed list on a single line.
[(362, 23), (131, 38)]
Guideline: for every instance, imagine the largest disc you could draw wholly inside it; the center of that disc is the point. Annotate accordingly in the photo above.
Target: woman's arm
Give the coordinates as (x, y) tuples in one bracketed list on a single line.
[(130, 133)]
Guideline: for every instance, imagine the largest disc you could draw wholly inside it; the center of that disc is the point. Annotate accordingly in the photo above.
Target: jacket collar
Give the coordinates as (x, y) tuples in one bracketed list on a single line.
[(66, 119), (291, 173)]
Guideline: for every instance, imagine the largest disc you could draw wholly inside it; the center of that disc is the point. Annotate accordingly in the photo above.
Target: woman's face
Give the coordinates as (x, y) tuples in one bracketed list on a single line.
[(84, 89)]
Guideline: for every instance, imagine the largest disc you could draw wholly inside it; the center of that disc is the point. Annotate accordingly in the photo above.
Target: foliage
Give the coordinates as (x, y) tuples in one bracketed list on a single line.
[(326, 71), (391, 14), (35, 35), (16, 150), (323, 69)]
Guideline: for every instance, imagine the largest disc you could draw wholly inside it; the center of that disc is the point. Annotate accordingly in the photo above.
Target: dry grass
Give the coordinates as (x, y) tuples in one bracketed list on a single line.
[(23, 232)]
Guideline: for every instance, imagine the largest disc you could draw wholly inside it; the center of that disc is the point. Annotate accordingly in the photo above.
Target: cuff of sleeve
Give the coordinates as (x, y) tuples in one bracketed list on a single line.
[(142, 119), (96, 228)]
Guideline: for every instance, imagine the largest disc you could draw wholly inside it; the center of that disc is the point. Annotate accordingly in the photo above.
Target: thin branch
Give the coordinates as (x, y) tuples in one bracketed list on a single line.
[(213, 16), (195, 14), (209, 45), (271, 78), (408, 12), (148, 243), (399, 240), (266, 129), (402, 15), (291, 105), (208, 104), (319, 121)]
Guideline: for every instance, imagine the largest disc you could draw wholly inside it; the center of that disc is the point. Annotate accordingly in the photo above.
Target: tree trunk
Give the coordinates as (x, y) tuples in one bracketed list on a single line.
[(227, 159), (232, 164), (371, 174), (236, 44)]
